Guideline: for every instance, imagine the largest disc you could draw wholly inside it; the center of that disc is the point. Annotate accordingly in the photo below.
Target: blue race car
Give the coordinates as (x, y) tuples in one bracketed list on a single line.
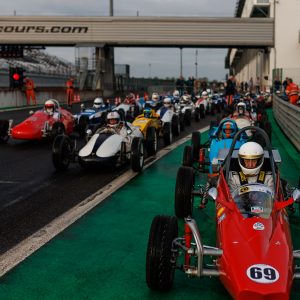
[(220, 137), (91, 117)]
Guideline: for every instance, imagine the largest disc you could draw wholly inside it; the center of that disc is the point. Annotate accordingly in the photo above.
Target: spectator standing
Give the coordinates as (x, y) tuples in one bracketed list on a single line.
[(285, 83), (230, 90), (250, 85), (29, 90), (292, 91), (70, 91), (190, 85), (257, 85), (276, 84), (180, 85)]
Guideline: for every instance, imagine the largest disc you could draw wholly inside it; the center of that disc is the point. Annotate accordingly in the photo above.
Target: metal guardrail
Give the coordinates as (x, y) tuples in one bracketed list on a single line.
[(288, 117)]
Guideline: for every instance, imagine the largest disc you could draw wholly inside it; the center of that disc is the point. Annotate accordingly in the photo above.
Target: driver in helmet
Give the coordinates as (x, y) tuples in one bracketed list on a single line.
[(204, 95), (98, 102), (148, 112), (50, 108), (154, 103), (241, 108), (251, 159), (113, 124), (176, 96), (228, 130), (186, 99), (167, 105)]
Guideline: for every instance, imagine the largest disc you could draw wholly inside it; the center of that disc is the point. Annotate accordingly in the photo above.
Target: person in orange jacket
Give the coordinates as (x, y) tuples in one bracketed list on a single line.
[(70, 91), (29, 91), (292, 91)]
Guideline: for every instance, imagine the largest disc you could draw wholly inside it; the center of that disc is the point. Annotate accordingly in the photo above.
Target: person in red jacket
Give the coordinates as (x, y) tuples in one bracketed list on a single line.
[(292, 91), (29, 91), (70, 91)]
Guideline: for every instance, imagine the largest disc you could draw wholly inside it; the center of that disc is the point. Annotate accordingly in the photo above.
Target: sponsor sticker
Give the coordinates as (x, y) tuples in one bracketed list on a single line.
[(257, 209), (258, 226), (220, 211), (262, 273), (221, 218)]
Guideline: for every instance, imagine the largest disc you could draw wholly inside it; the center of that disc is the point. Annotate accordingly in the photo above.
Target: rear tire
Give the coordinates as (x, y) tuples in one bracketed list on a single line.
[(202, 111), (4, 137), (175, 125), (62, 150), (187, 117), (137, 154), (167, 134), (196, 144), (57, 129), (197, 114), (82, 125), (159, 269), (183, 192)]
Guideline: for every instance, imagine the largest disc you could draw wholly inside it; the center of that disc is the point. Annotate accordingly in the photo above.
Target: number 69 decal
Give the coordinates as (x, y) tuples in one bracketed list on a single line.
[(262, 273)]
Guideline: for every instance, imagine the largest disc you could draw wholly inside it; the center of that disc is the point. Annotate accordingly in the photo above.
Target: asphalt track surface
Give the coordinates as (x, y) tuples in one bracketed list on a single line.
[(102, 255), (33, 193)]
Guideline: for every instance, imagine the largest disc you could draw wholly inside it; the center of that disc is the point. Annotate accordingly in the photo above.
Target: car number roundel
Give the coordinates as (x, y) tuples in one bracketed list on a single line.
[(262, 273)]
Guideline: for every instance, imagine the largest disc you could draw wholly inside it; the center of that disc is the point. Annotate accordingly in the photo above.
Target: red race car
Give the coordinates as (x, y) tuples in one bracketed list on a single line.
[(47, 122), (253, 256)]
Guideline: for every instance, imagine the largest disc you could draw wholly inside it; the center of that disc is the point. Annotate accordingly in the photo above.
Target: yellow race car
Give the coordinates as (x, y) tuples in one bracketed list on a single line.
[(150, 125)]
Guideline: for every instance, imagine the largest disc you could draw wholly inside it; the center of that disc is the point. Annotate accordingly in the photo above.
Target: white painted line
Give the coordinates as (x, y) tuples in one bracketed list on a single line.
[(17, 254)]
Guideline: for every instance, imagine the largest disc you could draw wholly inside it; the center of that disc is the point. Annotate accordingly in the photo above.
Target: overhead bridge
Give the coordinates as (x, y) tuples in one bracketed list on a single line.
[(137, 31)]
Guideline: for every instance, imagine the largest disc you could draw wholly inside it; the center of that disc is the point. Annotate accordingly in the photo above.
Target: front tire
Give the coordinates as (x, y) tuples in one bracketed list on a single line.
[(137, 154), (183, 192), (187, 159), (159, 269), (62, 152), (151, 141)]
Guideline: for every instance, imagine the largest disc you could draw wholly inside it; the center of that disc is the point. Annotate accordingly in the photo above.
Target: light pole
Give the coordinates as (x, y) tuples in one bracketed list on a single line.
[(196, 64), (180, 62), (111, 8), (149, 70)]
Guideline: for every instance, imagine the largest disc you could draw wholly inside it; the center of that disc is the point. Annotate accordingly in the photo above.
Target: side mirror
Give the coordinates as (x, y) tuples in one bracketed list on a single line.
[(296, 195), (213, 193)]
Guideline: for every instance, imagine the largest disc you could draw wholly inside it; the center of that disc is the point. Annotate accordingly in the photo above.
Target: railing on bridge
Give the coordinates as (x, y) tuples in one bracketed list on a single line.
[(288, 117)]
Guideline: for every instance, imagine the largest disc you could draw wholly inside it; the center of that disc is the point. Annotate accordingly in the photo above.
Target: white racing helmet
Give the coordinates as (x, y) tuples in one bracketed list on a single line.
[(167, 102), (186, 98), (176, 94), (98, 102), (155, 97), (241, 108), (204, 94), (49, 107), (113, 119), (251, 151)]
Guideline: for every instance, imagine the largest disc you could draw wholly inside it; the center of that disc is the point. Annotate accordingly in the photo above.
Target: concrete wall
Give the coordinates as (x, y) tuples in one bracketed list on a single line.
[(16, 98), (286, 53)]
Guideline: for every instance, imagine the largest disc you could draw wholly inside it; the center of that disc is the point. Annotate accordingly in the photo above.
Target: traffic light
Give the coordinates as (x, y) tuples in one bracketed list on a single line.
[(16, 77)]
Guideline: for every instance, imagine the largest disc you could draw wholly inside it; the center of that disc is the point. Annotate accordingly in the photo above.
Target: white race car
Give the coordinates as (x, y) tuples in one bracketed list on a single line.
[(105, 147)]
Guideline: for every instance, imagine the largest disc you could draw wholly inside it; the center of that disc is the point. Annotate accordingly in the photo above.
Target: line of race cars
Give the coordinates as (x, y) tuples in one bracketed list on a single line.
[(253, 256), (140, 123), (158, 117)]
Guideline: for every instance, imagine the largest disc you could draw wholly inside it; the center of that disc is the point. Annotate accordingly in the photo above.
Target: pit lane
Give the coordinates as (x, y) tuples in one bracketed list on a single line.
[(33, 193)]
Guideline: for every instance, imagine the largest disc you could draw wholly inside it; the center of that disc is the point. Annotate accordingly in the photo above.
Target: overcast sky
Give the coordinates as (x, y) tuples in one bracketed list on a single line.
[(144, 62)]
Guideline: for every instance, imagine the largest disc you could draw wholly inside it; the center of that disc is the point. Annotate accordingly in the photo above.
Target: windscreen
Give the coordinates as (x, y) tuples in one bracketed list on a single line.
[(254, 200)]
